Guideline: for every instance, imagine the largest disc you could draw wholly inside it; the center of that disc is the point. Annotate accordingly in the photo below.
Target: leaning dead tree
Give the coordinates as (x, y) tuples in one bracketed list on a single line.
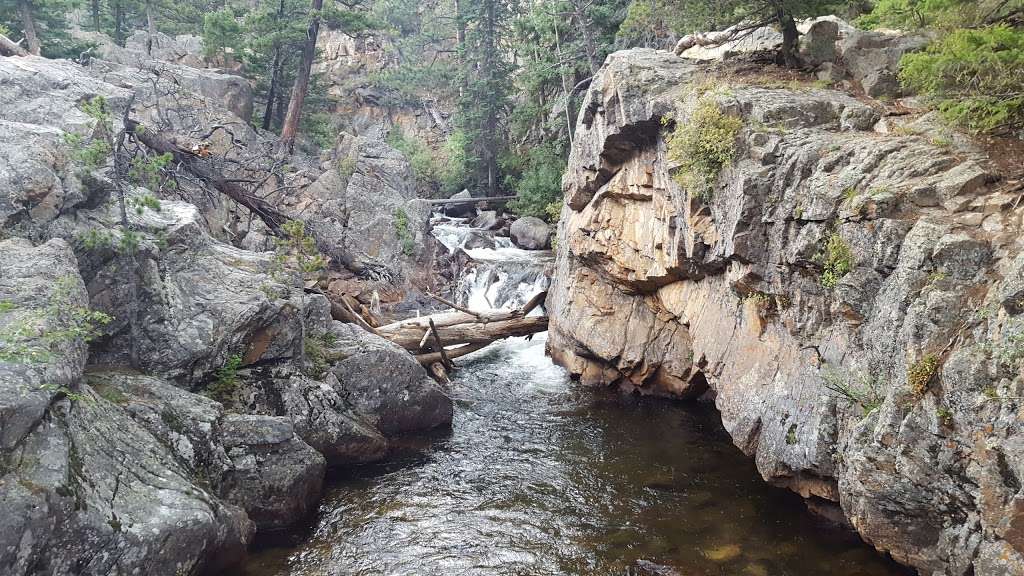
[(195, 163), (9, 47), (439, 338)]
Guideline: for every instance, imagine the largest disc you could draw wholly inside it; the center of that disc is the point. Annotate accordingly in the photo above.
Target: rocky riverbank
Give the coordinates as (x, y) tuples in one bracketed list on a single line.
[(847, 290), (170, 383)]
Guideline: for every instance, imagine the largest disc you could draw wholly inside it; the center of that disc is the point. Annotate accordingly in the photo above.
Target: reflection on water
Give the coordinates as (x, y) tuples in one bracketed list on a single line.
[(541, 476)]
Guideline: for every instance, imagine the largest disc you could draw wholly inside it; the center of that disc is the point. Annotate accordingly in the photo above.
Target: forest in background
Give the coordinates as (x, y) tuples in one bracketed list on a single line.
[(513, 72)]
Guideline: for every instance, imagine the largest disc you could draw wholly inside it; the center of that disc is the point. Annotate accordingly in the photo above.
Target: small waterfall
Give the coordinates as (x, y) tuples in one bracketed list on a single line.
[(497, 275)]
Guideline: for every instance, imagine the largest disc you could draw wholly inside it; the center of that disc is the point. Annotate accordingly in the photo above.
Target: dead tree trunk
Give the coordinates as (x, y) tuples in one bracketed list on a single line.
[(430, 337), (203, 169), (9, 47), (29, 24)]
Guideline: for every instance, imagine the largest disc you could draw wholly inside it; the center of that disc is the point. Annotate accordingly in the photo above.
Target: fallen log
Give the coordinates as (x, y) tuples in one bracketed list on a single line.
[(409, 337), (474, 200), (204, 170), (9, 47), (431, 358)]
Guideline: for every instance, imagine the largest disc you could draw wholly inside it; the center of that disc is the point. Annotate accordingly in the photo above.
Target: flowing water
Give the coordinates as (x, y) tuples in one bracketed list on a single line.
[(541, 476)]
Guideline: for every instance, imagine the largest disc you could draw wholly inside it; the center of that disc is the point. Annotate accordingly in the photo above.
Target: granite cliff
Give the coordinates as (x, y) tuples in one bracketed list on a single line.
[(848, 291)]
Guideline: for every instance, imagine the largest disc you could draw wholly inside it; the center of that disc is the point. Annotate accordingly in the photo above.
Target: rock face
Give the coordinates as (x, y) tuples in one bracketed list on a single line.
[(85, 489), (531, 233), (891, 390), (167, 386)]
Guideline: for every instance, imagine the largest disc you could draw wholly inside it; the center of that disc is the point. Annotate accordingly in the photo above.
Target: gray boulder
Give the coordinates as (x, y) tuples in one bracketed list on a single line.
[(275, 476), (872, 59), (199, 302), (818, 44), (385, 384), (85, 489), (531, 233), (487, 220), (461, 209), (364, 213), (477, 239)]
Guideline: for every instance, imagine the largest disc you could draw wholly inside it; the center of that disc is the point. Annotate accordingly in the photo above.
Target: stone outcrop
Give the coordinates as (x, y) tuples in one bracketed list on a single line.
[(892, 390), (169, 390)]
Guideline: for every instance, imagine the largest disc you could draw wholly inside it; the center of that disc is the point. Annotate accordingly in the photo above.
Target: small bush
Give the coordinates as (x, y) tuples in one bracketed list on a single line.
[(703, 145), (427, 165), (297, 251), (920, 373), (975, 77), (404, 234), (315, 346), (861, 390), (225, 380), (539, 186), (836, 261)]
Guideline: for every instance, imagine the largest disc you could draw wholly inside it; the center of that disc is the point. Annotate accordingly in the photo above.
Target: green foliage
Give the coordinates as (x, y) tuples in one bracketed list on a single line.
[(539, 187), (836, 260), (222, 34), (92, 153), (703, 145), (320, 128), (861, 389), (34, 334), (427, 165), (920, 373), (401, 220), (147, 171), (225, 380), (975, 77), (141, 203), (316, 346), (940, 14), (296, 251)]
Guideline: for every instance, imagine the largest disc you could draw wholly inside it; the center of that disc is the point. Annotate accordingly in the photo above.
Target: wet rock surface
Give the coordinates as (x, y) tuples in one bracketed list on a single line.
[(888, 389)]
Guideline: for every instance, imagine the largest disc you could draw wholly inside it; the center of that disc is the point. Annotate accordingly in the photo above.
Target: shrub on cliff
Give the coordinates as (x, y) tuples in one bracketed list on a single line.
[(975, 77), (703, 145)]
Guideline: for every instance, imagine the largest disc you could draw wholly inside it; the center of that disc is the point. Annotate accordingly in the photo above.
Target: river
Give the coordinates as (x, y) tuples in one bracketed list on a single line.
[(543, 476)]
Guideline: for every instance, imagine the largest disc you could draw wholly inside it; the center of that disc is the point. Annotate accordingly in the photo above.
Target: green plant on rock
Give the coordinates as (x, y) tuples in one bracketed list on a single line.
[(836, 260), (975, 77), (225, 380), (862, 390), (920, 373), (296, 251), (32, 338), (401, 220), (315, 347), (703, 146), (147, 171)]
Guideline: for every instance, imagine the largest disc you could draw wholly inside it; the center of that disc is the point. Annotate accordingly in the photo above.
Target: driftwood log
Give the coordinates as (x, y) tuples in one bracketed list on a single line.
[(442, 337), (9, 47)]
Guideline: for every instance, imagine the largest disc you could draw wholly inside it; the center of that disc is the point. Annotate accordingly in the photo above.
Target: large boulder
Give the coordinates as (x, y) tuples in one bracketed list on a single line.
[(275, 476), (197, 303), (531, 233), (84, 488), (364, 212), (384, 384)]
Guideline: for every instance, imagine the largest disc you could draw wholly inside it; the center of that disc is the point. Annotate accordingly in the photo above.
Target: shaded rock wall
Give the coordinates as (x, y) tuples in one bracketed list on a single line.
[(660, 291)]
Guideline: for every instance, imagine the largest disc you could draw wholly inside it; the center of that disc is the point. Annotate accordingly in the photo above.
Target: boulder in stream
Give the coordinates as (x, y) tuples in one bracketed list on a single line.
[(531, 233)]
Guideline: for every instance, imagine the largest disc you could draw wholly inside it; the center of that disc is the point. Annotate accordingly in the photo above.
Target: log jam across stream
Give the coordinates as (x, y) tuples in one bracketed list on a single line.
[(543, 476)]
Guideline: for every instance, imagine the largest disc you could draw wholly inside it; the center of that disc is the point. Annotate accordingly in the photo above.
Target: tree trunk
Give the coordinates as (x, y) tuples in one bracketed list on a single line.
[(150, 26), (272, 91), (414, 338), (301, 87), (29, 24), (207, 171), (96, 15), (588, 35), (490, 123), (118, 23), (790, 36), (10, 48)]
